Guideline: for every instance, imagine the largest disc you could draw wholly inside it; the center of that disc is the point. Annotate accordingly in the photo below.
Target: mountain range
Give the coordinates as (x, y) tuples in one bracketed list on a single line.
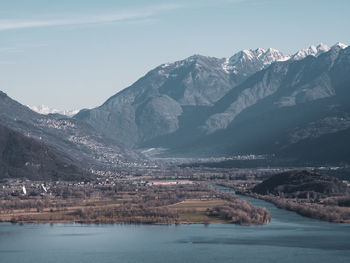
[(255, 102)]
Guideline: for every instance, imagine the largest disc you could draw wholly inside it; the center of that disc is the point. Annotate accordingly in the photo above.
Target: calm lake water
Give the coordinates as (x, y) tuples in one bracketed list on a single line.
[(288, 238)]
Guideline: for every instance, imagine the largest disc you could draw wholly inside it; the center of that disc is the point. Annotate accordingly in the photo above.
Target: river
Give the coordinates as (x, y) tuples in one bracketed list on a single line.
[(288, 238)]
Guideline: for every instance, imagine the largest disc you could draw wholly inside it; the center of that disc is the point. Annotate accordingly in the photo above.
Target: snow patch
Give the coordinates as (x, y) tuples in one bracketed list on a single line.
[(247, 62), (311, 51), (43, 109)]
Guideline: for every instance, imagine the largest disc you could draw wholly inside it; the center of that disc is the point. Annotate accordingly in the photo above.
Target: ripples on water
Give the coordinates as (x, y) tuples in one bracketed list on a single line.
[(288, 238)]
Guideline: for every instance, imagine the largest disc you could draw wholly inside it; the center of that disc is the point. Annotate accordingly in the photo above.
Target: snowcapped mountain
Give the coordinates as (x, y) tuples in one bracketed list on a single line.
[(291, 107), (247, 62), (211, 105), (341, 45), (159, 102), (43, 109), (337, 47), (316, 50), (311, 51)]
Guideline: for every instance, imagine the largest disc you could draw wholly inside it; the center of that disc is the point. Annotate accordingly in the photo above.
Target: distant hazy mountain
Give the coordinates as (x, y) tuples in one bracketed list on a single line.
[(77, 141), (21, 156), (43, 109), (257, 101)]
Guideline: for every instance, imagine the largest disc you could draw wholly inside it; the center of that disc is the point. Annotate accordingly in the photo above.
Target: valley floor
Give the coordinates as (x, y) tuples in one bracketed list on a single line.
[(163, 195)]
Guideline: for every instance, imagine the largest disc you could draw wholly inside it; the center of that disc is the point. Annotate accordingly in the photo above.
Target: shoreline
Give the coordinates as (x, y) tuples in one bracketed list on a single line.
[(310, 210), (191, 211), (117, 223)]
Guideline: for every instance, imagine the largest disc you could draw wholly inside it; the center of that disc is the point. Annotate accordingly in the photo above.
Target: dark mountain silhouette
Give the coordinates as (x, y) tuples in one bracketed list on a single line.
[(297, 183), (24, 157)]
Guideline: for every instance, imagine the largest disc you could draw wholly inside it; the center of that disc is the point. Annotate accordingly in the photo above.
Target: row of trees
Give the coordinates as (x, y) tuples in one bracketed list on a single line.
[(316, 211), (127, 214), (241, 212)]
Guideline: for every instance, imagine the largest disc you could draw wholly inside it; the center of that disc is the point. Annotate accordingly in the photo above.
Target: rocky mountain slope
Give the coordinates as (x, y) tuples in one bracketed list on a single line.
[(312, 51), (155, 104), (283, 105), (24, 157), (77, 141), (257, 101)]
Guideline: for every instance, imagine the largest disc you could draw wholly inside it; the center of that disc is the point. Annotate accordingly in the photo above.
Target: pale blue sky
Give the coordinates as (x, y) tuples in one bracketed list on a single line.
[(76, 53)]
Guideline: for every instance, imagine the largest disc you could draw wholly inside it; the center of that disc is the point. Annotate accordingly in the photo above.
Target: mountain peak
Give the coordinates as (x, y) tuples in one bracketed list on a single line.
[(195, 57), (272, 50), (247, 52), (180, 63), (311, 51), (260, 50), (322, 46), (339, 45), (246, 62)]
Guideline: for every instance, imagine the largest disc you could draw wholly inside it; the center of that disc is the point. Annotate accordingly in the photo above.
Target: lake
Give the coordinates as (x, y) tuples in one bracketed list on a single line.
[(288, 238)]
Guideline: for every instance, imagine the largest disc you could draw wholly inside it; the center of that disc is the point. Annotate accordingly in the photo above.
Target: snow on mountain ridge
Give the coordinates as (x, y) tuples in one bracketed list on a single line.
[(249, 61), (311, 51), (341, 45), (236, 63), (45, 110)]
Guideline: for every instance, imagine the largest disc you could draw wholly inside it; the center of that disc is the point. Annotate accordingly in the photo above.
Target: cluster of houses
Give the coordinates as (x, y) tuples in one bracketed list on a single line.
[(21, 188), (169, 182)]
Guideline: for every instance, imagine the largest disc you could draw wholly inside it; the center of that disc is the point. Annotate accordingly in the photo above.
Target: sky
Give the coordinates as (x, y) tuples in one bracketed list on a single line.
[(74, 54)]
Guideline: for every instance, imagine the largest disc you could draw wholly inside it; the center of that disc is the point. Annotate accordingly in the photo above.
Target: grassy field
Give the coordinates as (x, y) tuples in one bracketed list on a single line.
[(192, 211)]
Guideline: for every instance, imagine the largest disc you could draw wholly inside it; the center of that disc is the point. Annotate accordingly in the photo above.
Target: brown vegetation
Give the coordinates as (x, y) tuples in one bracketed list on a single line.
[(242, 213), (330, 213), (130, 203), (327, 207)]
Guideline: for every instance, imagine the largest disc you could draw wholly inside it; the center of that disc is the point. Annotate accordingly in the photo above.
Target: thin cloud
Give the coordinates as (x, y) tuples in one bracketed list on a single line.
[(6, 63), (144, 13), (18, 48)]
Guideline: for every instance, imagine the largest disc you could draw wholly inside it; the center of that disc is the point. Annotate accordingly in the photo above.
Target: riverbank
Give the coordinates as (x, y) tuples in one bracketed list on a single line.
[(329, 213), (320, 210)]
